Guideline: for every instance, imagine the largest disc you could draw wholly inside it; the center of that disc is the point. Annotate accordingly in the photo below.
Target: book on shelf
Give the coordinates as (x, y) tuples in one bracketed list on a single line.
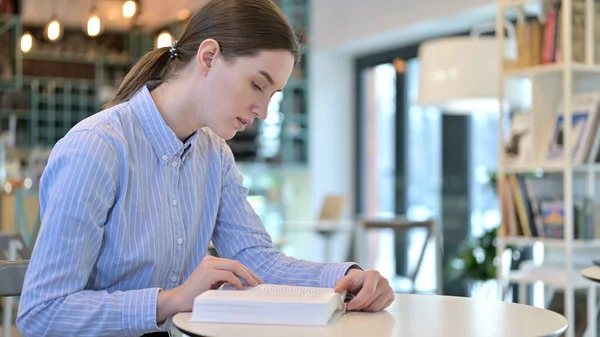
[(518, 148), (534, 207), (540, 41), (530, 136), (584, 129), (270, 304)]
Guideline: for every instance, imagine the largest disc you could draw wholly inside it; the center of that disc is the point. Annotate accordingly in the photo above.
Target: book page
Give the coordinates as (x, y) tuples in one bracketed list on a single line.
[(291, 291), (267, 296), (280, 288), (288, 289)]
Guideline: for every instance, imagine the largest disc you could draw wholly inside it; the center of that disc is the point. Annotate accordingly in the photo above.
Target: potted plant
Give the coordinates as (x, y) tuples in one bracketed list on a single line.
[(475, 261)]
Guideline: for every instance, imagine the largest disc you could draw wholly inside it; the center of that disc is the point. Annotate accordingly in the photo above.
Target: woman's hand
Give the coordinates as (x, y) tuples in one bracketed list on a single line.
[(211, 273), (373, 291)]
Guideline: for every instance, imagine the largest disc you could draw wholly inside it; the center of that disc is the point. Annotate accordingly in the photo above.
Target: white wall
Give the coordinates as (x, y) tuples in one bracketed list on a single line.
[(344, 29), (345, 22), (331, 132)]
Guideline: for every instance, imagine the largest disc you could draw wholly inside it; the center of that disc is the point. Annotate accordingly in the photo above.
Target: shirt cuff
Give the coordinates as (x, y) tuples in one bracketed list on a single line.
[(334, 272), (139, 311)]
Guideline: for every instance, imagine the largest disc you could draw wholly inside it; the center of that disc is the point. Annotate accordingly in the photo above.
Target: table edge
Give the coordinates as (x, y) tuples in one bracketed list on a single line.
[(555, 333), (596, 280)]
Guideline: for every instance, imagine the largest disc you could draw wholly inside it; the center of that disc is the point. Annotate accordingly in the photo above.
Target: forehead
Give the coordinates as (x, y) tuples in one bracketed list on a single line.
[(278, 63)]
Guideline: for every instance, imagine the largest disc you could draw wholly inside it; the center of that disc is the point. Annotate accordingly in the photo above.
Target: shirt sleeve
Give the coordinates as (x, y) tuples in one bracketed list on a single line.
[(239, 234), (77, 191)]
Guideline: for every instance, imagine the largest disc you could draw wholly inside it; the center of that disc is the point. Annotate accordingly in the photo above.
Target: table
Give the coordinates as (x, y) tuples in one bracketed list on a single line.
[(591, 273), (400, 224), (326, 229), (409, 315)]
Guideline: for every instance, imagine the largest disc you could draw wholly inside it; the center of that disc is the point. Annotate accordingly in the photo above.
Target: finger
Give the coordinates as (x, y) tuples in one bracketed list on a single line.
[(227, 276), (250, 275), (366, 295), (254, 276), (389, 302), (342, 284), (378, 304), (238, 269)]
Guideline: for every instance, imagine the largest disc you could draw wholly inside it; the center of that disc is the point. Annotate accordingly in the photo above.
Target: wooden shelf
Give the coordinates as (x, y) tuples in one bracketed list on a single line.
[(66, 58), (517, 3), (558, 168), (551, 277), (556, 68), (549, 242)]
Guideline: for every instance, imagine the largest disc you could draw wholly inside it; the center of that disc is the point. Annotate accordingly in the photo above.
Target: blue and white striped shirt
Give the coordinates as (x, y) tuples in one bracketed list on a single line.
[(128, 209)]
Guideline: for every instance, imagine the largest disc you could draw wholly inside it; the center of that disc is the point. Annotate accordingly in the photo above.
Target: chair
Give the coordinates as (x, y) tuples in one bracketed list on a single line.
[(327, 225), (27, 219), (332, 208), (12, 275)]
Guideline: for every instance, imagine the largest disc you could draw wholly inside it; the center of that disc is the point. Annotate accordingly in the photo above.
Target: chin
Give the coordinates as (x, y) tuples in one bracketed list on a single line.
[(226, 134)]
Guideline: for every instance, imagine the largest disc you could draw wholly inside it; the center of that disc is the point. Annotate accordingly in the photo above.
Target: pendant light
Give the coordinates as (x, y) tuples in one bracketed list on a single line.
[(130, 7), (164, 39), (460, 75), (94, 25), (54, 28), (26, 42)]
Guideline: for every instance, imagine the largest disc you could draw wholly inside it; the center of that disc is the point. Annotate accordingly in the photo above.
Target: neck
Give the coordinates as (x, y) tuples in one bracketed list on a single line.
[(172, 101)]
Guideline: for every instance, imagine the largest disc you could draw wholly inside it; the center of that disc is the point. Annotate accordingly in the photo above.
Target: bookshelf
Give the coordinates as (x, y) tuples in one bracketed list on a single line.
[(548, 191), (510, 4), (294, 100), (61, 83)]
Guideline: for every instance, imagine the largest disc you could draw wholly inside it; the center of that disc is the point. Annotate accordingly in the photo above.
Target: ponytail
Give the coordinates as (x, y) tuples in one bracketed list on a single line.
[(232, 23), (152, 66)]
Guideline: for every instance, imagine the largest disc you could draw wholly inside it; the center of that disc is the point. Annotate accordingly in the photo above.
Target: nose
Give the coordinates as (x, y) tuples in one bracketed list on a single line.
[(260, 111)]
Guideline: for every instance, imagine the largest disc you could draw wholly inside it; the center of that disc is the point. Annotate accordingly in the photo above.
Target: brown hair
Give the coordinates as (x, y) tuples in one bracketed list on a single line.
[(241, 27)]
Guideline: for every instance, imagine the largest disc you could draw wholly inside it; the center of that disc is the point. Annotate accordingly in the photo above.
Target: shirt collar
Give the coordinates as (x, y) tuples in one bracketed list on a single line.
[(164, 141)]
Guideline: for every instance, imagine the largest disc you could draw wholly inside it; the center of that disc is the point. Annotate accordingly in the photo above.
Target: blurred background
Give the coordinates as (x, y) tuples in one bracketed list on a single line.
[(388, 145)]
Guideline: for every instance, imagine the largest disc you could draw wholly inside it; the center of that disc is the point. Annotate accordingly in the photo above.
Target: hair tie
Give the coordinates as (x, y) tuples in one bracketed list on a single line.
[(173, 50)]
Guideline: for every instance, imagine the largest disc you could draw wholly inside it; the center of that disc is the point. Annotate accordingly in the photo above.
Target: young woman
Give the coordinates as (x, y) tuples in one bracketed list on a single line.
[(131, 196)]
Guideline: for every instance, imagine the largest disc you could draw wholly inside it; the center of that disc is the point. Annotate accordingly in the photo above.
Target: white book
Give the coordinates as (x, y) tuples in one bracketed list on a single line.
[(269, 304)]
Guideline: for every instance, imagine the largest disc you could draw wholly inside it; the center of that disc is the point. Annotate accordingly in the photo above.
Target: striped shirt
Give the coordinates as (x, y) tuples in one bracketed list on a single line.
[(128, 209)]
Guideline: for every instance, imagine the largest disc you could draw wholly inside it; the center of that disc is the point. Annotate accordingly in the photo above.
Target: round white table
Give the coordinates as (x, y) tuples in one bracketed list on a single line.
[(591, 273), (409, 315)]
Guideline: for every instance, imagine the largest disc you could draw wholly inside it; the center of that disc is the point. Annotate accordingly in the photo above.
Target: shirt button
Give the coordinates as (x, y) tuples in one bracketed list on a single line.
[(174, 164), (174, 278), (164, 157), (180, 241), (174, 202)]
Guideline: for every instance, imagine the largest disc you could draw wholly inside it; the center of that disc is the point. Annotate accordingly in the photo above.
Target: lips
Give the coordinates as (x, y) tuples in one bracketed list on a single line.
[(243, 121), (241, 124)]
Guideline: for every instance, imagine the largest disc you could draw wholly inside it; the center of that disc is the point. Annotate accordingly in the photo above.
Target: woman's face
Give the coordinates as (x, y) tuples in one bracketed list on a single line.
[(234, 93)]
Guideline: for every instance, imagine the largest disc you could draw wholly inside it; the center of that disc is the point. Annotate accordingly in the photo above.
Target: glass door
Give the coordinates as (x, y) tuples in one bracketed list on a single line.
[(377, 163)]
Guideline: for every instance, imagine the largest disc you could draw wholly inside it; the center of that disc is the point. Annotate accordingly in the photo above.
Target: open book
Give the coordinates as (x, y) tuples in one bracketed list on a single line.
[(269, 304)]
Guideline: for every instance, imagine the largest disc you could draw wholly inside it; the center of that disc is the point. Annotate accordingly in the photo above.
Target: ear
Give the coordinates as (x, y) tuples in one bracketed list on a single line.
[(208, 51)]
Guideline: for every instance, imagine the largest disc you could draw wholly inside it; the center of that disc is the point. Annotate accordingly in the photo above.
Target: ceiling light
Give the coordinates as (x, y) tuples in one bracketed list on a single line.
[(462, 75), (26, 42), (164, 39), (54, 30), (183, 14), (94, 26), (129, 8)]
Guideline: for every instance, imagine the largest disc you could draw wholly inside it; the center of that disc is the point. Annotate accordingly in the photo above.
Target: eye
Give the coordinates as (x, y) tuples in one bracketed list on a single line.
[(256, 86)]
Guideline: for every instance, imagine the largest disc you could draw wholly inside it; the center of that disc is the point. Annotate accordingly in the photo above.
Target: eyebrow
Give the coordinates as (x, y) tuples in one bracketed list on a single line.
[(267, 76)]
